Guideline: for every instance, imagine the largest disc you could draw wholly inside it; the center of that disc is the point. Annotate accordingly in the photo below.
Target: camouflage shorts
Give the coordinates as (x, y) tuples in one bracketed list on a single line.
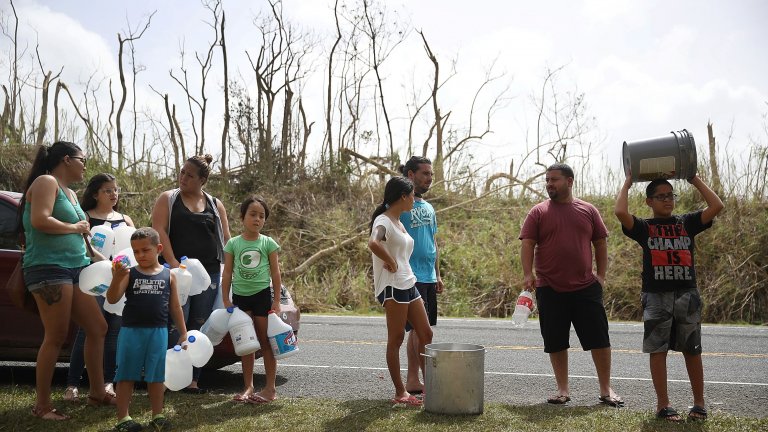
[(672, 321)]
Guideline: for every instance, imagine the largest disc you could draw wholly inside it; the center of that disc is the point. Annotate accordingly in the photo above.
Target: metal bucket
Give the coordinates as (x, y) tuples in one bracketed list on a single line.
[(670, 157), (454, 378)]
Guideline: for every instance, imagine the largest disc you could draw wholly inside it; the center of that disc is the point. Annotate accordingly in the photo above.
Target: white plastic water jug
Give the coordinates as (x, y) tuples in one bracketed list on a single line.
[(199, 348), (125, 257), (242, 333), (523, 309), (95, 279), (123, 236), (281, 337), (178, 368), (183, 283), (115, 308), (201, 280), (217, 325), (103, 239)]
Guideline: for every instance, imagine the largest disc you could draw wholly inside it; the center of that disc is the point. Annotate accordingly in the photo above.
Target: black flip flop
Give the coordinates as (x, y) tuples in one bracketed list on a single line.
[(667, 414), (697, 413), (613, 401)]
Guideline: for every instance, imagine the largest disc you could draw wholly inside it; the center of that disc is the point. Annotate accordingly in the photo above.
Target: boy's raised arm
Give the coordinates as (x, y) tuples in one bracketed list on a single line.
[(119, 283), (714, 204), (621, 209)]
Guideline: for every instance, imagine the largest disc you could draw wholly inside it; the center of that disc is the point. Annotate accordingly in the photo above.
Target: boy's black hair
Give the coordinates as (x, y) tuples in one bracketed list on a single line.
[(146, 233), (650, 190)]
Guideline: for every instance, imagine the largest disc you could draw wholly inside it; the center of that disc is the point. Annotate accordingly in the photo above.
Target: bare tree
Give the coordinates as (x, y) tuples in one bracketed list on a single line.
[(383, 41), (132, 36), (225, 129)]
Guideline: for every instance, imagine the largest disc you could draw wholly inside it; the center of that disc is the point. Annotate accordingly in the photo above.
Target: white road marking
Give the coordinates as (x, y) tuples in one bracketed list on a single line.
[(307, 366)]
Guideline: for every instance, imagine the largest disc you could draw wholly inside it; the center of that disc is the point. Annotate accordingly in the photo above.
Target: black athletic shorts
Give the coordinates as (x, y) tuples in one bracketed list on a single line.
[(583, 308), (428, 293), (258, 304)]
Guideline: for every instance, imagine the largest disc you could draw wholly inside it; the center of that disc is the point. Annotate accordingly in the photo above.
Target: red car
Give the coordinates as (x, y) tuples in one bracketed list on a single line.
[(22, 332)]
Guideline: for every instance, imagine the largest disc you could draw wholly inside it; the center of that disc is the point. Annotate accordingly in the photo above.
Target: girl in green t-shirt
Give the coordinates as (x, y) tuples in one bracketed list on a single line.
[(250, 266)]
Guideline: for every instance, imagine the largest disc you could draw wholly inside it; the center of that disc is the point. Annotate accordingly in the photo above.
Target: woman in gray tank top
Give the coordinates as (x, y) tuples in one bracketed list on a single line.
[(194, 224)]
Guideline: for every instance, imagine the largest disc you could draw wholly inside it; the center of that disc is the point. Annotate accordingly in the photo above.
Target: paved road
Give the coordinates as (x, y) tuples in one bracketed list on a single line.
[(343, 358)]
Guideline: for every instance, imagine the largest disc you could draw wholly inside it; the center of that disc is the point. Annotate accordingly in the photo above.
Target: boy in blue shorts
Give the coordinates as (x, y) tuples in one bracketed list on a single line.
[(670, 298), (150, 297)]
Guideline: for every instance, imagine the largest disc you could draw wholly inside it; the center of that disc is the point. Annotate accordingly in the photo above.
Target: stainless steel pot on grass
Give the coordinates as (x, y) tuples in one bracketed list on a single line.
[(454, 378)]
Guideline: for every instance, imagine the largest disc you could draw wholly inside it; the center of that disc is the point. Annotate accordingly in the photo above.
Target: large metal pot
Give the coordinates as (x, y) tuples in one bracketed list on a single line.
[(454, 378)]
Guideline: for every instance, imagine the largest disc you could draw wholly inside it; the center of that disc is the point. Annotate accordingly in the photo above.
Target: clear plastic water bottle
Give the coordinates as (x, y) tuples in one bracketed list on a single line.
[(523, 309)]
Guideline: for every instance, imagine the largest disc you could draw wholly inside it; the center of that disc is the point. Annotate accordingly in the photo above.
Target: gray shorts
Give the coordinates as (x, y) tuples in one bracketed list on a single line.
[(40, 276), (672, 321)]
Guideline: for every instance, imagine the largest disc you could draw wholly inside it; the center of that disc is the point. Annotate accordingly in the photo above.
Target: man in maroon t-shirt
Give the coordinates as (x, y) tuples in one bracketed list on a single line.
[(562, 232)]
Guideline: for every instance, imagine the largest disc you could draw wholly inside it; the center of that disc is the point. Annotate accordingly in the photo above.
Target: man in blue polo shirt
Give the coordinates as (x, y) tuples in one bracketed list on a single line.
[(421, 224)]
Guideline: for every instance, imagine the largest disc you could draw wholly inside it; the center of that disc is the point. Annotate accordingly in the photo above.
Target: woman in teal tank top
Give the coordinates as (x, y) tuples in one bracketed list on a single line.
[(54, 225)]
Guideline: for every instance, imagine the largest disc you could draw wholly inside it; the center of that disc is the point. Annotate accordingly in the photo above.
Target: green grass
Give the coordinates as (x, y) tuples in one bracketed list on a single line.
[(217, 413)]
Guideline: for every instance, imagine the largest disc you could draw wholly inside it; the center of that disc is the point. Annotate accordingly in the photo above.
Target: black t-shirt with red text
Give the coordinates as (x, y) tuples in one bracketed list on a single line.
[(668, 262)]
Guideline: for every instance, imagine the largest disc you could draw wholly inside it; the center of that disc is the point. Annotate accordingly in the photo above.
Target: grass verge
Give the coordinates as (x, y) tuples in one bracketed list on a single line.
[(217, 413)]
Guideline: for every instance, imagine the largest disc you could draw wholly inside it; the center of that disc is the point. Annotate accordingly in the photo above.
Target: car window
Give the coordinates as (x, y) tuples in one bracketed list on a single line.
[(9, 237)]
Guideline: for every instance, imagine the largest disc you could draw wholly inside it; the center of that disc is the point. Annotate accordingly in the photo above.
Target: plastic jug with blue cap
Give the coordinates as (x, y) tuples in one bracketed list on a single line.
[(217, 325), (178, 368), (199, 347)]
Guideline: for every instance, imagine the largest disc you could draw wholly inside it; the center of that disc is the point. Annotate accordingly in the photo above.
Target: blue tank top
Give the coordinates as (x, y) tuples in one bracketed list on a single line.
[(147, 299)]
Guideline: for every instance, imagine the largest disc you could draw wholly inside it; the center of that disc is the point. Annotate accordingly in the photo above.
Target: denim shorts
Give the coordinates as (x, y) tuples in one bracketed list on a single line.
[(399, 295), (41, 276)]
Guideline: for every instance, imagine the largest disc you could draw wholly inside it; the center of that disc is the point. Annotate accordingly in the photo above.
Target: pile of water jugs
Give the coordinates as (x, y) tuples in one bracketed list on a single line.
[(191, 277), (179, 361), (239, 325)]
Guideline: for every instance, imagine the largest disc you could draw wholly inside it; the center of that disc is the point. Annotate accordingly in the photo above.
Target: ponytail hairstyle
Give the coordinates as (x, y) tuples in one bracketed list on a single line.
[(203, 164), (94, 184), (396, 188), (46, 159)]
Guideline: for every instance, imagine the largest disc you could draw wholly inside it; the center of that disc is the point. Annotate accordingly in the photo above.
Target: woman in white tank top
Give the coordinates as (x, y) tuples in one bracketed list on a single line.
[(394, 281)]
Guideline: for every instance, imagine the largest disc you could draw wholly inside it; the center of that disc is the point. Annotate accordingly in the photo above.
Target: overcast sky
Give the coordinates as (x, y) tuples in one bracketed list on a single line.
[(645, 67)]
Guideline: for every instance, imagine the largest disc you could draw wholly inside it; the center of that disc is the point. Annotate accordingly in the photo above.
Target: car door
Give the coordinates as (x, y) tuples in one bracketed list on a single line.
[(21, 332)]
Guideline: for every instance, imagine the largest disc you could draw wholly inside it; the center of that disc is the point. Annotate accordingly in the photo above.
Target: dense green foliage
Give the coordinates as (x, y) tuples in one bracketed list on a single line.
[(479, 254)]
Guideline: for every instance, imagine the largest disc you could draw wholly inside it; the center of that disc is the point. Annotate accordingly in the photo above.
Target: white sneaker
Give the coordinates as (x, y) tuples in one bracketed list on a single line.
[(71, 394), (109, 388)]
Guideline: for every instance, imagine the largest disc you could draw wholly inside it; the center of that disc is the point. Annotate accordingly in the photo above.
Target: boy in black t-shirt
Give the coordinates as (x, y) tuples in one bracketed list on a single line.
[(670, 298), (150, 293)]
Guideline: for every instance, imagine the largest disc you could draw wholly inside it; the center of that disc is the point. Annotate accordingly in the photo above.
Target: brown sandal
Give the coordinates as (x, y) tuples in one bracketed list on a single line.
[(107, 400), (50, 413)]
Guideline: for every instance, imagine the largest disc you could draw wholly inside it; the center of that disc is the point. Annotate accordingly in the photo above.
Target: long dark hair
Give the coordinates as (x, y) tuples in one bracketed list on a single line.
[(396, 188), (94, 184), (46, 159)]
